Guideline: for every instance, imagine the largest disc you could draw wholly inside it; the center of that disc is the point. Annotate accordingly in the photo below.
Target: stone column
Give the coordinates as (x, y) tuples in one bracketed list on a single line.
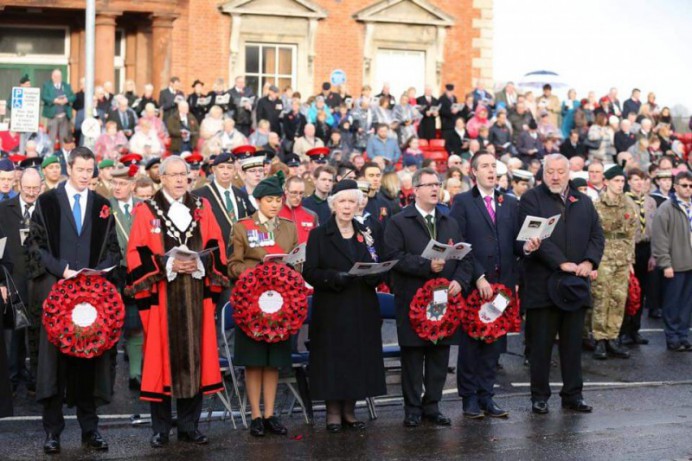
[(105, 47), (162, 49)]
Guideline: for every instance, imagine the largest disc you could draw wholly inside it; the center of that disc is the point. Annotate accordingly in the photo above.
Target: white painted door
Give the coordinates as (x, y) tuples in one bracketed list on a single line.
[(401, 69)]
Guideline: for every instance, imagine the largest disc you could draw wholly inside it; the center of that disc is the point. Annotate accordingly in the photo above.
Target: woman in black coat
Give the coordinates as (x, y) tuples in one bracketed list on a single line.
[(346, 361)]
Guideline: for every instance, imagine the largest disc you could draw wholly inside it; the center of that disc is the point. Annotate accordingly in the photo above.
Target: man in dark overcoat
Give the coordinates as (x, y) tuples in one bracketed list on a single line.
[(70, 231), (423, 363), (574, 248)]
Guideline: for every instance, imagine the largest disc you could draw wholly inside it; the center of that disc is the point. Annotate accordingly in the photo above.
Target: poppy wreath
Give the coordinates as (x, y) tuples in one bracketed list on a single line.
[(383, 288), (490, 332), (83, 316), (634, 296), (276, 285), (435, 329)]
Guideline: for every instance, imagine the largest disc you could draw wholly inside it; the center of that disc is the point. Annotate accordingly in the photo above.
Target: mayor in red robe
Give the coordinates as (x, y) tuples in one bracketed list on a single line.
[(176, 299)]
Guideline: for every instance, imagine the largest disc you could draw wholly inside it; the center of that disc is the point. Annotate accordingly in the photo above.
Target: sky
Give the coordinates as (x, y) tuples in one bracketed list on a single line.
[(599, 44)]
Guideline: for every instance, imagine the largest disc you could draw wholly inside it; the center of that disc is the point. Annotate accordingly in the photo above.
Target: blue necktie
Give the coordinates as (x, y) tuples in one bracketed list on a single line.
[(77, 213)]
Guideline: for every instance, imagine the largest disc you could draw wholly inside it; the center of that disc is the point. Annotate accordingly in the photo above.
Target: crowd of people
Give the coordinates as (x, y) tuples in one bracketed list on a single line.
[(238, 176)]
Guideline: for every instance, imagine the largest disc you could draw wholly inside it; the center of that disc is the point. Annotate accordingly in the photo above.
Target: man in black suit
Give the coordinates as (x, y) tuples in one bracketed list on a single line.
[(242, 109), (228, 203), (69, 231), (490, 223), (448, 114), (575, 248), (423, 363), (269, 108), (169, 97), (124, 117), (15, 215), (573, 146)]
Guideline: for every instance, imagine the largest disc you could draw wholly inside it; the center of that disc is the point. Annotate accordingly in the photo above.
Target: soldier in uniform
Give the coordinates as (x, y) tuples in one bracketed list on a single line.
[(196, 180), (122, 204), (252, 169), (52, 172), (152, 170), (104, 186), (254, 237), (646, 207), (619, 219), (318, 157)]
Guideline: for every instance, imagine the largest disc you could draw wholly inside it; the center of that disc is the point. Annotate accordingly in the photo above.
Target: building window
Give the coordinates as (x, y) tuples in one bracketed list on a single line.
[(28, 44), (270, 63), (119, 61)]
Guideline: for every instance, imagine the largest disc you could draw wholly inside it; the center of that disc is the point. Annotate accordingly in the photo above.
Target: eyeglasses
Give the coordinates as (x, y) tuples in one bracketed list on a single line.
[(685, 186), (430, 184)]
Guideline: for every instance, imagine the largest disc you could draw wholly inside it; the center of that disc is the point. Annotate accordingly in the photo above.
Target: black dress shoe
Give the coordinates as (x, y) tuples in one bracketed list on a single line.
[(616, 350), (600, 352), (273, 425), (540, 407), (52, 444), (94, 441), (578, 405), (357, 425), (656, 313), (158, 440), (472, 410), (257, 427), (134, 384), (626, 340), (195, 437), (639, 339), (438, 419), (333, 428), (412, 421), (685, 345), (675, 346), (491, 409)]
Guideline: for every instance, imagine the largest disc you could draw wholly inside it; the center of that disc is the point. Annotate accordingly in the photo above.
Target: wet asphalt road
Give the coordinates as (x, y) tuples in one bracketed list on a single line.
[(642, 411)]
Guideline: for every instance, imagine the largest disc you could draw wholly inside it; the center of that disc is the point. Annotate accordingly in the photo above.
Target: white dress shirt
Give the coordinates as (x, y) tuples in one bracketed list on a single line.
[(223, 191), (71, 191)]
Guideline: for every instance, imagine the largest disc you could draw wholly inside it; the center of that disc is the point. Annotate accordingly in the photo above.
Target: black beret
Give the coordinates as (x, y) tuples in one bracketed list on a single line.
[(344, 184)]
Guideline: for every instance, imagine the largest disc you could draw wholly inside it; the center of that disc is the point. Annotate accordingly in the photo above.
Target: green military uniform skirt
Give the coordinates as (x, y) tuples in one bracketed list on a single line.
[(251, 353)]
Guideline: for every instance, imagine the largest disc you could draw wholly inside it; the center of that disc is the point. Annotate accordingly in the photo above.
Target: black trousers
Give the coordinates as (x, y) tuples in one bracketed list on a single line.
[(53, 419), (189, 411), (476, 367), (642, 252), (423, 366), (544, 324)]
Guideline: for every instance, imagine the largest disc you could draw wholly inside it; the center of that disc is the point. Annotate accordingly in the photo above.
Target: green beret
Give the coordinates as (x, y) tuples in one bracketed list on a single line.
[(271, 186), (614, 171), (51, 159), (579, 182), (106, 163)]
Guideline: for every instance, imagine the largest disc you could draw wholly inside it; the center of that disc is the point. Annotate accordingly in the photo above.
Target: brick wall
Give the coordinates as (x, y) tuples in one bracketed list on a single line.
[(201, 42)]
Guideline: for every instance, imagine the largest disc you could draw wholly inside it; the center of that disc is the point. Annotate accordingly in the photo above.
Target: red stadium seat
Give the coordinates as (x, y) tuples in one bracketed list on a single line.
[(422, 143), (437, 143)]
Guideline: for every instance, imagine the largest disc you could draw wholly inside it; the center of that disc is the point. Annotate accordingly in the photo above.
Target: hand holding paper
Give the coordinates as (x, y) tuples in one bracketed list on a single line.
[(535, 227)]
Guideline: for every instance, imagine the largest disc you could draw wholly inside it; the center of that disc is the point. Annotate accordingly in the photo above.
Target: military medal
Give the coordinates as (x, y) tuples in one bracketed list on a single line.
[(155, 226)]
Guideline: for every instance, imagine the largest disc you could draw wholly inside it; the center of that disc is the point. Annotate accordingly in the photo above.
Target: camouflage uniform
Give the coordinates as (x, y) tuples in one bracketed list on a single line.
[(619, 219)]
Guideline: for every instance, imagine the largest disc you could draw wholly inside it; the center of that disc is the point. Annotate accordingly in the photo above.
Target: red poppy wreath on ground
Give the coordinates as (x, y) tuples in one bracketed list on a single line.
[(634, 296), (270, 302), (483, 329), (435, 321), (83, 316)]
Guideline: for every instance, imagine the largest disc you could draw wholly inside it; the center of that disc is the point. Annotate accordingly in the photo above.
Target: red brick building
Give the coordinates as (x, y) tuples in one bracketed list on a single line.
[(288, 42)]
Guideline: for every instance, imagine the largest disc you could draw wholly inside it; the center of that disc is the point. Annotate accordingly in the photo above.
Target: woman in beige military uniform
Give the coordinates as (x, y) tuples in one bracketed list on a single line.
[(254, 237)]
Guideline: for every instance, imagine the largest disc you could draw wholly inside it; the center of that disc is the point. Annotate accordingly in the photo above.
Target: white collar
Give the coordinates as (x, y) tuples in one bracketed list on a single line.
[(71, 191), (424, 213), (171, 199), (484, 195), (122, 203), (223, 189)]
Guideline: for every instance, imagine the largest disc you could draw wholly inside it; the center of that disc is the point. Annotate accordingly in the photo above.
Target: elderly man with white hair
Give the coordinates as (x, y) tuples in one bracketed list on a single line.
[(558, 278), (123, 116), (178, 295), (306, 142)]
